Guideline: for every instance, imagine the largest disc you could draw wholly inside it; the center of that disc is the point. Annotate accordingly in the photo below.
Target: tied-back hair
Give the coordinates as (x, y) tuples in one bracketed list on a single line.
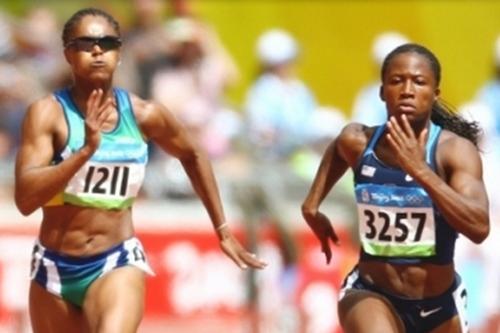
[(79, 15), (443, 114)]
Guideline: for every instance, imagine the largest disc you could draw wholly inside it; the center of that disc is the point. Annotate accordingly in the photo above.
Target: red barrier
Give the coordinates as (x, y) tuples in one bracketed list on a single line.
[(195, 280)]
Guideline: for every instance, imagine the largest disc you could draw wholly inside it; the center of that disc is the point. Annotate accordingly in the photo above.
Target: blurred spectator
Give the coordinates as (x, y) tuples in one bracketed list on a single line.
[(279, 105), (489, 93), (28, 65), (286, 132), (193, 86), (182, 8), (487, 111), (479, 264), (13, 101), (20, 84), (39, 54), (285, 124), (145, 47), (8, 90), (368, 108), (6, 36)]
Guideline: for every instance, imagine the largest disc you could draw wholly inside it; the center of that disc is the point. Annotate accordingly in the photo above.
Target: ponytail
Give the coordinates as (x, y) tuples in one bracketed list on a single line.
[(444, 115)]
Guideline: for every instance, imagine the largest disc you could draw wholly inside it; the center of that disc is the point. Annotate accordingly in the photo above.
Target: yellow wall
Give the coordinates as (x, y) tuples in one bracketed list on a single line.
[(336, 38)]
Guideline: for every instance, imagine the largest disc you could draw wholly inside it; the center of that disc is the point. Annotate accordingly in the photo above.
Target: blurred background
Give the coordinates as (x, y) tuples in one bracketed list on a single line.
[(264, 86)]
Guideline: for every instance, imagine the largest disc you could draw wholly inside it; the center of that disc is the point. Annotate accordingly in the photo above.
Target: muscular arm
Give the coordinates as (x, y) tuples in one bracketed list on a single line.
[(160, 126), (462, 197), (36, 180), (341, 154)]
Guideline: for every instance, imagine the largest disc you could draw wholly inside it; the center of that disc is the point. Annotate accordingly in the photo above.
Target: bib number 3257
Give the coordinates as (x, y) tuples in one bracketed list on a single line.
[(397, 227)]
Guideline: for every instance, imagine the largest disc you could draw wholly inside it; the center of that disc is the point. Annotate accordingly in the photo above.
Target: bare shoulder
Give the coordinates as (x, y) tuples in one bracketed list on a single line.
[(144, 109), (44, 112), (455, 149), (355, 135), (354, 132), (352, 141), (44, 106), (451, 143), (152, 117), (43, 131)]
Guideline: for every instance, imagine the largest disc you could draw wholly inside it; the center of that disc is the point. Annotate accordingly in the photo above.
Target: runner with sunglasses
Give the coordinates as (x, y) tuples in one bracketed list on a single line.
[(82, 160), (418, 184), (86, 43)]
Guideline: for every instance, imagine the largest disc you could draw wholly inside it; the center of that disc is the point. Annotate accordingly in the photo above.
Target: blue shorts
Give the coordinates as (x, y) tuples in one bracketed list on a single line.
[(422, 315), (70, 277)]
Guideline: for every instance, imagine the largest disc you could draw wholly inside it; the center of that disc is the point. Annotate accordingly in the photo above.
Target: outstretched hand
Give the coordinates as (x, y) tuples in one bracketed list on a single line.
[(408, 148), (324, 232), (97, 112), (234, 250)]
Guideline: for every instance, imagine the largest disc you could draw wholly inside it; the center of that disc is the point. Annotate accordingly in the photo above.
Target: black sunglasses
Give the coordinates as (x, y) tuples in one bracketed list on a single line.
[(86, 44)]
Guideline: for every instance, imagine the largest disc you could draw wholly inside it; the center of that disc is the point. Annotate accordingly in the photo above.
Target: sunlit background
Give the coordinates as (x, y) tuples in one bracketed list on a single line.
[(196, 288)]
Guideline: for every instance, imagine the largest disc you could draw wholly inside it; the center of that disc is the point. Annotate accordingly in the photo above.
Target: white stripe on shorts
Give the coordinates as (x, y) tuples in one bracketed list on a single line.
[(53, 279), (349, 281), (460, 298)]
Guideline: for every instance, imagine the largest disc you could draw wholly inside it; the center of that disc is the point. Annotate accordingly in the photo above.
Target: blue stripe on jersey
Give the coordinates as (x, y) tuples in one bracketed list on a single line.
[(131, 152), (392, 196)]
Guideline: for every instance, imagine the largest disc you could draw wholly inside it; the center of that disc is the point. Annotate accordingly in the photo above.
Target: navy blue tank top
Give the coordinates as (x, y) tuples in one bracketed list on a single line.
[(398, 222)]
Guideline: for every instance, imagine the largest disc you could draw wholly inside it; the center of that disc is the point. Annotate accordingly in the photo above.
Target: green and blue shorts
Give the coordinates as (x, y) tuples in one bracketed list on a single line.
[(69, 277)]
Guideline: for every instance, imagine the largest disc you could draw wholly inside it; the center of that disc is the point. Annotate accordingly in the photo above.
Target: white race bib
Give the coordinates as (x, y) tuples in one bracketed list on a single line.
[(396, 221), (106, 184)]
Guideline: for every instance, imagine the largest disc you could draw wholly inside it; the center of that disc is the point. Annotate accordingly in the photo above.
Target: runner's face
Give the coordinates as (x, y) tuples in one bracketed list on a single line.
[(409, 87), (93, 50)]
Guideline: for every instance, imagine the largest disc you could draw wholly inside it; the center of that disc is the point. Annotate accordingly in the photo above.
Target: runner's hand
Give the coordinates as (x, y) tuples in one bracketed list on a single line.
[(96, 115), (408, 148), (234, 250), (324, 232)]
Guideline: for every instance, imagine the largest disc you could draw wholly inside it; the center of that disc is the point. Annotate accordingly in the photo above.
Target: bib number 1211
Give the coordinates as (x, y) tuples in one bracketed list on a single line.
[(105, 180)]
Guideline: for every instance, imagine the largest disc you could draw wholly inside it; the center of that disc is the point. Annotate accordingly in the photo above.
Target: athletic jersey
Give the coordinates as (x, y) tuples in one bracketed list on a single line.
[(114, 174), (398, 222)]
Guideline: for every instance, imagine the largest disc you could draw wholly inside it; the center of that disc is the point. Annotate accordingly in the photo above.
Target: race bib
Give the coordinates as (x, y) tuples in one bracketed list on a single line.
[(395, 221), (110, 185)]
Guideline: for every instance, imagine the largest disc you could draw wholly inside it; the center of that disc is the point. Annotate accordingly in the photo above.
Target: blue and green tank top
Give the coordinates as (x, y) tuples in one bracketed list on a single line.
[(114, 174)]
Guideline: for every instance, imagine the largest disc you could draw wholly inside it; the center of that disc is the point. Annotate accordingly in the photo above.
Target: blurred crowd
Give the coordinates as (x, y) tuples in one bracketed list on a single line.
[(266, 150)]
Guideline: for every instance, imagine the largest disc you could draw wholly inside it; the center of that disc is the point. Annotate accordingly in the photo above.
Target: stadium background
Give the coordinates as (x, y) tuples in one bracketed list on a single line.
[(336, 36), (196, 288)]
